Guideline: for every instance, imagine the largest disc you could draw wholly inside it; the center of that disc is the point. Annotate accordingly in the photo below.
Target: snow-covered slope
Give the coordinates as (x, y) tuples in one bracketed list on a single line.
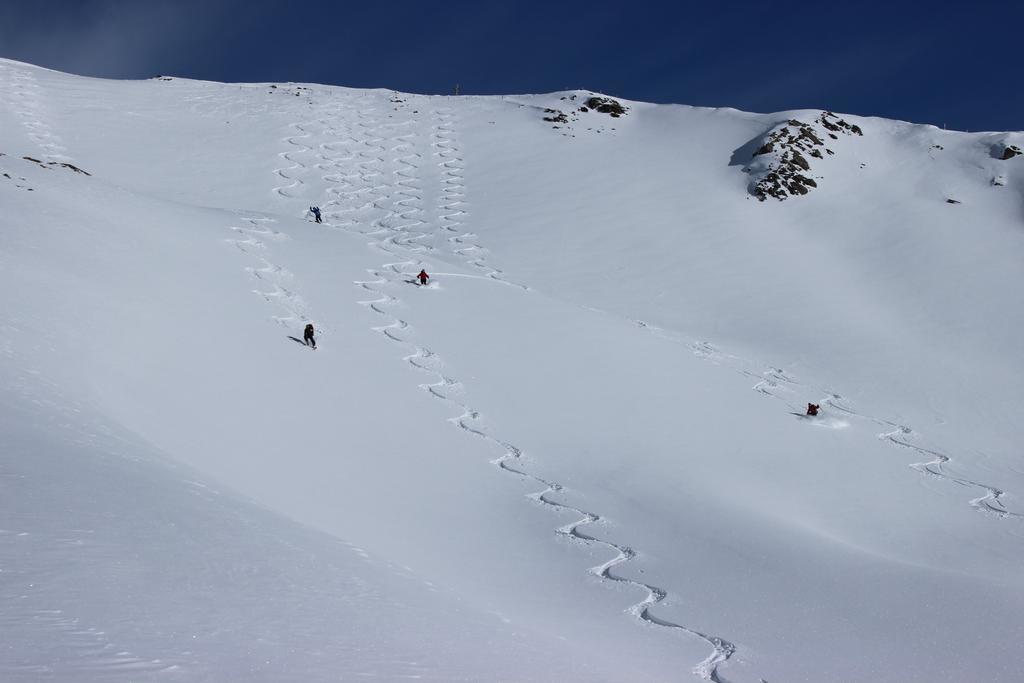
[(572, 456)]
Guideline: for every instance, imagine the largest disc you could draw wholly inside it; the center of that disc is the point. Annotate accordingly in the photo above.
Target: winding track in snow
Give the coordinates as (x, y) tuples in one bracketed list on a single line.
[(401, 233), (253, 232), (774, 381), (294, 182), (900, 435), (451, 201), (80, 650), (27, 103)]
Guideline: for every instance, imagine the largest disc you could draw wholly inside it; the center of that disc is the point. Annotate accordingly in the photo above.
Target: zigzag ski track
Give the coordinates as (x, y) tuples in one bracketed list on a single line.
[(774, 382), (400, 231)]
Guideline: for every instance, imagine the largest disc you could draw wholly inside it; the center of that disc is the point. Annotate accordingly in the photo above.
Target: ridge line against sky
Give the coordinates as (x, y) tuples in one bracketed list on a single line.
[(952, 64)]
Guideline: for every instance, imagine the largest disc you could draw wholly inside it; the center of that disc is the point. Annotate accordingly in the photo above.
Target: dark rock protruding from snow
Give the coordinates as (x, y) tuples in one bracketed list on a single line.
[(56, 164), (579, 108), (555, 116), (838, 125), (1010, 151), (605, 105), (781, 166)]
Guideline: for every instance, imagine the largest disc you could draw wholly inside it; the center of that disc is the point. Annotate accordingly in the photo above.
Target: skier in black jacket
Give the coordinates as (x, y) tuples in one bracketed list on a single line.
[(307, 335)]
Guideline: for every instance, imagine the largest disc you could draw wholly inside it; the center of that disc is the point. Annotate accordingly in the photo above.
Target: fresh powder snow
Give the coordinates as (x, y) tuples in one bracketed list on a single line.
[(578, 453)]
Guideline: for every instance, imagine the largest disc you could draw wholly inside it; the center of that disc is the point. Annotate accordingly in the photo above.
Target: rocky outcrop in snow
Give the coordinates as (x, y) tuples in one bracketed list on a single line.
[(782, 166), (591, 103), (605, 105), (56, 164), (555, 116)]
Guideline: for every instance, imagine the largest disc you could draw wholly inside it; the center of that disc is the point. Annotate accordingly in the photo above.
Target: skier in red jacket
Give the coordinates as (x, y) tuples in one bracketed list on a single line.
[(813, 408), (423, 277)]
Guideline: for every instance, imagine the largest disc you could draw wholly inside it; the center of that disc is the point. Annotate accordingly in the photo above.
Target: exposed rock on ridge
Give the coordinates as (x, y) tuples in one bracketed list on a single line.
[(781, 166)]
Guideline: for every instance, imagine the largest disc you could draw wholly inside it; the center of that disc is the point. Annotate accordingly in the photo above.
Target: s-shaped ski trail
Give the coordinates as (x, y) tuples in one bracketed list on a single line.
[(774, 383), (398, 232)]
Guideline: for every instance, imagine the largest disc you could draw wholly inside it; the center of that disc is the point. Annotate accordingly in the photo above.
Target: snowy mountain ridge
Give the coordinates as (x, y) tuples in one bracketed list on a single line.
[(548, 463)]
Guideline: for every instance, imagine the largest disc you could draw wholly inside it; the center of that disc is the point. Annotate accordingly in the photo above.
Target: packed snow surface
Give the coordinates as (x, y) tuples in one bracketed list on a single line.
[(578, 453)]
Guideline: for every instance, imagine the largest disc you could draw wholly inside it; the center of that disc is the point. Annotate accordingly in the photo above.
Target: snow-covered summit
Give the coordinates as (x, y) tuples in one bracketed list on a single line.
[(576, 454)]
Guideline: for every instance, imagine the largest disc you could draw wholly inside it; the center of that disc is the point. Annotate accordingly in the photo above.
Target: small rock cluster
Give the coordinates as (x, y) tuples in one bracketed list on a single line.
[(48, 165), (837, 125), (603, 105), (783, 171), (18, 180), (297, 90), (57, 164), (1010, 151), (556, 116)]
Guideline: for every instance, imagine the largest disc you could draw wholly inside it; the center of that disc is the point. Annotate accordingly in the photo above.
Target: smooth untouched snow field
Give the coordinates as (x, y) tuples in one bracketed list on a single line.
[(578, 454)]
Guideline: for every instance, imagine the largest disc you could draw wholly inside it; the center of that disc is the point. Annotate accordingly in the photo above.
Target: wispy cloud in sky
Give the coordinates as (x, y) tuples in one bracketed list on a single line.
[(904, 61), (110, 37)]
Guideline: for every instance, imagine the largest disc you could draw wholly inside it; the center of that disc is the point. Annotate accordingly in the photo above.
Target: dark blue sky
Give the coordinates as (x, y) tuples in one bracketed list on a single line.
[(954, 64)]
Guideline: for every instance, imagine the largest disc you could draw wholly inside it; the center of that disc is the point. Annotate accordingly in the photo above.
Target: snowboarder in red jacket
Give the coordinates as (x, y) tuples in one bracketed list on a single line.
[(423, 277), (813, 408)]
